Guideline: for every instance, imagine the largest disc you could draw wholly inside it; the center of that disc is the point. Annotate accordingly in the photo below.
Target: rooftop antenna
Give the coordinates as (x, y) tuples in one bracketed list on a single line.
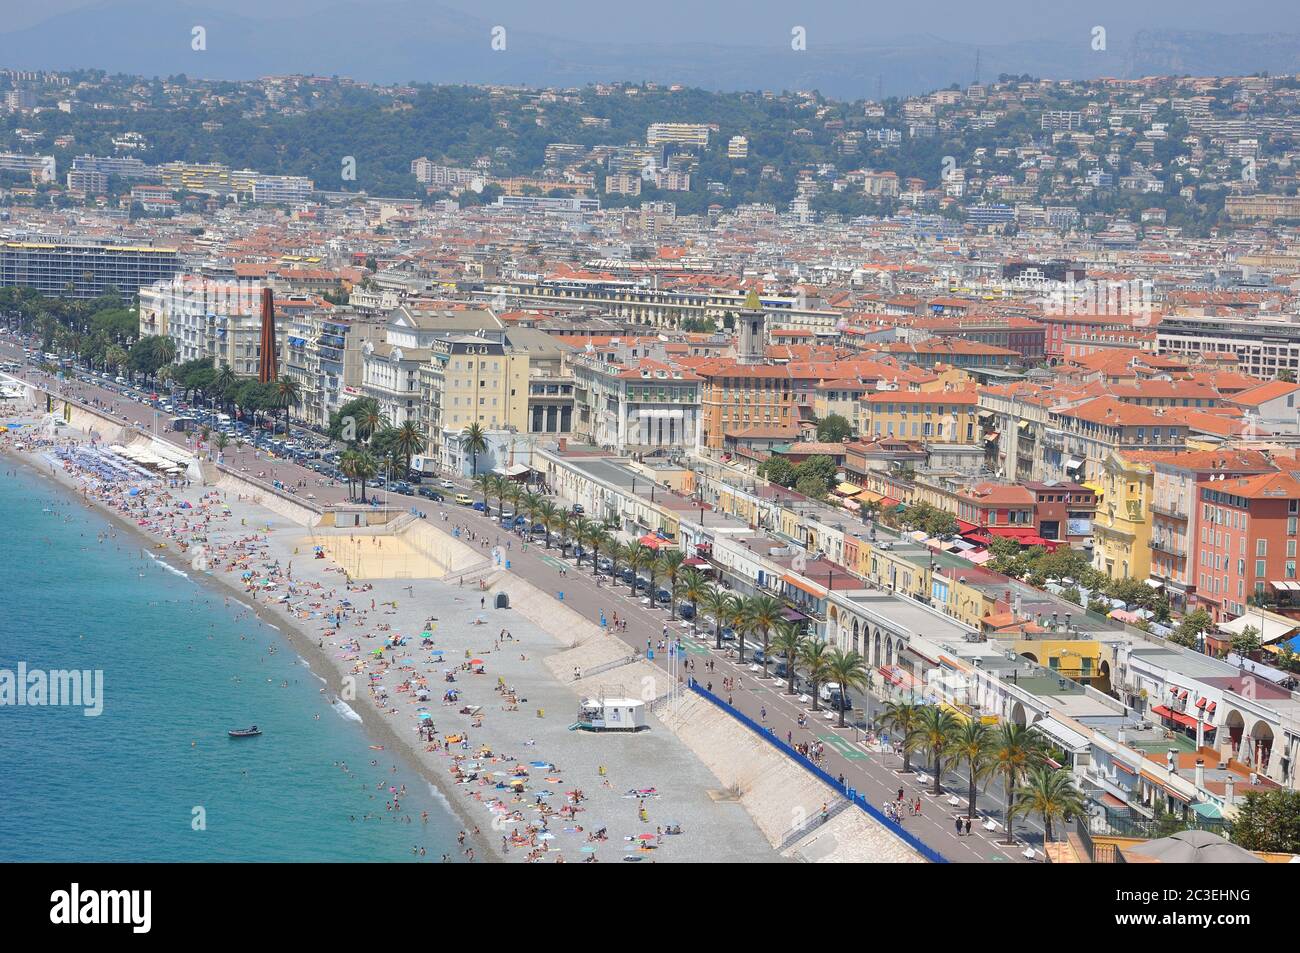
[(977, 66)]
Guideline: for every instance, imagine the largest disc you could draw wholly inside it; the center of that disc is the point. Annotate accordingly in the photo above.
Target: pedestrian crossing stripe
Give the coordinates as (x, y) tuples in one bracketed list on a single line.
[(841, 746)]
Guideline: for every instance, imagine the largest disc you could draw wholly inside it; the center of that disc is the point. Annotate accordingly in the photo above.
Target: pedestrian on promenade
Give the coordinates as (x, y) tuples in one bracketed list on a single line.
[(968, 827), (762, 713), (958, 823)]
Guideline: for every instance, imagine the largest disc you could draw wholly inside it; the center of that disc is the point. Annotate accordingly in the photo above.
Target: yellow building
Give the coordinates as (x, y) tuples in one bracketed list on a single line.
[(1121, 531), (936, 416), (473, 380), (1079, 659)]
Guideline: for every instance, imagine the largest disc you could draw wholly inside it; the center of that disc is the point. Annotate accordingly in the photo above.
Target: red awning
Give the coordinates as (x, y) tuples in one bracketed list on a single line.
[(965, 527), (1201, 703), (1177, 716), (653, 541), (1124, 767), (890, 676), (694, 561), (1018, 533)]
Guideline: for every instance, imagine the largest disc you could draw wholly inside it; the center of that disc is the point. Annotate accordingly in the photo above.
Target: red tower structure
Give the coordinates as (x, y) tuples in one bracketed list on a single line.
[(267, 364)]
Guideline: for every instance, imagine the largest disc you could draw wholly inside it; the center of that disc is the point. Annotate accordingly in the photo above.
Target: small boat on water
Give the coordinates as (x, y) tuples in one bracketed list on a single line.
[(249, 732)]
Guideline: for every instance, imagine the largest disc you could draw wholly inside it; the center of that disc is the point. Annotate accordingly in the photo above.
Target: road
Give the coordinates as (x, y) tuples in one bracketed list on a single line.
[(875, 774)]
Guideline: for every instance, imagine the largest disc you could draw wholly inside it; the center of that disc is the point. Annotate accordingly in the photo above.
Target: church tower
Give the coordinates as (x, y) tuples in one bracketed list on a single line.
[(751, 323)]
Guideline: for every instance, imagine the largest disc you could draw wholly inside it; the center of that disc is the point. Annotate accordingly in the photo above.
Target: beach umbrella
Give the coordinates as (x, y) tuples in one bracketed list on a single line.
[(588, 848), (546, 837), (646, 836), (477, 661)]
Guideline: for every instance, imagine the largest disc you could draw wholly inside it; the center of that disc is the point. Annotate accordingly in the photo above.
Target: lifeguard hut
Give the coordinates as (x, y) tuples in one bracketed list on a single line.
[(611, 714)]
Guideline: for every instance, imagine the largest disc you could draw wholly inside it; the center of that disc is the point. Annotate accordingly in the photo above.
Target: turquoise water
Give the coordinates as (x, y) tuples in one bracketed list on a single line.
[(180, 668)]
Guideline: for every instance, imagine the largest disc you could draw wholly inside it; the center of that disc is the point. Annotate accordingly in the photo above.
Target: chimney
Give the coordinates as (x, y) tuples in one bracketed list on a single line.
[(1119, 735), (1171, 759), (1200, 773), (1229, 790)]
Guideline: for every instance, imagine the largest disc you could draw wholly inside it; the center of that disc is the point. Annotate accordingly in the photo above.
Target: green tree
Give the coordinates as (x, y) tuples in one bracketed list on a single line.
[(1268, 821), (849, 670), (934, 732), (902, 718), (715, 601), (833, 428), (1016, 750), (763, 613), (473, 439), (788, 641), (972, 745), (815, 663), (778, 470), (409, 441), (1247, 642), (1050, 793)]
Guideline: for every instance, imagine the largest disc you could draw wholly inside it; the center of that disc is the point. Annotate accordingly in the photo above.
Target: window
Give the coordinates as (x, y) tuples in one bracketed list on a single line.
[(1261, 547)]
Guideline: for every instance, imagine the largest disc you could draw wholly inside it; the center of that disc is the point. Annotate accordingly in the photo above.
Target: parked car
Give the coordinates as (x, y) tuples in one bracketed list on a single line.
[(479, 505), (686, 610), (464, 499), (429, 493)]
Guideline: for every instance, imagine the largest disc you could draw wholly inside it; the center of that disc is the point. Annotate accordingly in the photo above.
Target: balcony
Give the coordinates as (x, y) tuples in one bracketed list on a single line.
[(1168, 545), (1174, 509)]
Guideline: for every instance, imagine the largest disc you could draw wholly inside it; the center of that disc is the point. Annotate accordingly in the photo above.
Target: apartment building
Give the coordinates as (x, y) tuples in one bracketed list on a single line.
[(1178, 535), (636, 405), (679, 133), (939, 416), (324, 352), (1264, 344), (77, 269), (39, 168), (208, 319), (1078, 440)]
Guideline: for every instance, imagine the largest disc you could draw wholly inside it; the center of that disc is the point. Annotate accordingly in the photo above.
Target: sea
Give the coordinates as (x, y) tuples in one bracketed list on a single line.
[(155, 777)]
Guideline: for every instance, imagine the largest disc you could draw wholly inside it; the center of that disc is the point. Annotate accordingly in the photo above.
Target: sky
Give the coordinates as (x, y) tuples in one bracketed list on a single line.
[(758, 22)]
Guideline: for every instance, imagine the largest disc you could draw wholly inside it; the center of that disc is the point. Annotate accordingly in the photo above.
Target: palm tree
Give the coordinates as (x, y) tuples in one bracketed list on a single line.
[(1050, 793), (546, 514), (483, 483), (715, 601), (513, 492), (670, 566), (972, 746), (563, 526), (934, 732), (581, 530), (764, 613), (617, 553), (165, 350), (288, 392), (639, 556), (474, 441), (370, 418), (365, 466), (408, 441), (902, 719), (849, 669), (532, 504), (498, 485), (222, 441), (597, 539), (788, 640), (348, 467), (815, 660), (224, 384), (692, 585), (1016, 750), (738, 619)]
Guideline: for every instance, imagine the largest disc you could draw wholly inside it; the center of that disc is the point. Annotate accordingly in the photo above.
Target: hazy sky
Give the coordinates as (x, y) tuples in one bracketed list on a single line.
[(759, 22)]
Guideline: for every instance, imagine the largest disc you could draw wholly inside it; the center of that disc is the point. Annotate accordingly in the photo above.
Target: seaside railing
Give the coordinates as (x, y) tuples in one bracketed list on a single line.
[(925, 850)]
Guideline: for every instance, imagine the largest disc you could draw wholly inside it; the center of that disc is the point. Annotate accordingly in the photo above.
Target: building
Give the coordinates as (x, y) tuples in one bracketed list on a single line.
[(633, 405), (75, 269), (938, 416), (738, 148), (38, 168), (1242, 208), (677, 133), (282, 188), (1265, 344)]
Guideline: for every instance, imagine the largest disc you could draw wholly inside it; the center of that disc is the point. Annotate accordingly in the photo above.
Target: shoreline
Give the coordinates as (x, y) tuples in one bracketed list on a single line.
[(721, 831), (317, 661)]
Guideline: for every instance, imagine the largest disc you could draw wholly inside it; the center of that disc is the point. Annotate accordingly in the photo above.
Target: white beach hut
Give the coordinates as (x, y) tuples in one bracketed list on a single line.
[(611, 714)]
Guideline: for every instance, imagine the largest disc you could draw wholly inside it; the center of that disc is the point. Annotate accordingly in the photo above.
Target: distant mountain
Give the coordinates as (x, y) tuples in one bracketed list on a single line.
[(417, 40)]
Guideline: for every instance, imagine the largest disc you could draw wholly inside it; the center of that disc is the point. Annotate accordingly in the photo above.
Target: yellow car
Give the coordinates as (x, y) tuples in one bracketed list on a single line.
[(464, 499)]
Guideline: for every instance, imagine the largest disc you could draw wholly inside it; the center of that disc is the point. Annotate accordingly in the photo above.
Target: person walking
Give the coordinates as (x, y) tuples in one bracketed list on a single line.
[(957, 822)]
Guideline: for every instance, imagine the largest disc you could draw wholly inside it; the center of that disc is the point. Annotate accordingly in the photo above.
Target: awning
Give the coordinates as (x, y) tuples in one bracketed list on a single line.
[(1074, 463), (1124, 767), (1164, 711), (817, 592), (654, 542), (1154, 583), (1095, 487), (1065, 736), (1270, 629), (515, 469), (848, 489), (867, 496), (1022, 425), (1285, 585), (694, 561), (890, 675)]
